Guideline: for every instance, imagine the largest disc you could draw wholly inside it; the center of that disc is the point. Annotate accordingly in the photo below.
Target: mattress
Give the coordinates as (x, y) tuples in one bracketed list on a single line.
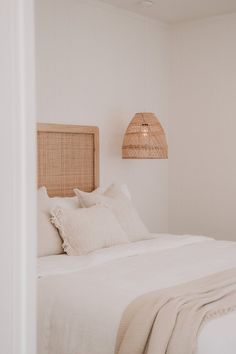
[(81, 299)]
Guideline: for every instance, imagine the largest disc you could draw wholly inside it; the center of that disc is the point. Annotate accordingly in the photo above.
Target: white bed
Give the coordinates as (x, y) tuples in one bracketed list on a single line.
[(81, 299)]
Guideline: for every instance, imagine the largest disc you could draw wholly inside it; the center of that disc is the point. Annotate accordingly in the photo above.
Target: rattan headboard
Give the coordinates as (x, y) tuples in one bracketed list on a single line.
[(68, 157)]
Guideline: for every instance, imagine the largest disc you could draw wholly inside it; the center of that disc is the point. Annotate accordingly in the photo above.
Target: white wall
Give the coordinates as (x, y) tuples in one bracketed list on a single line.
[(202, 126), (17, 178), (98, 65)]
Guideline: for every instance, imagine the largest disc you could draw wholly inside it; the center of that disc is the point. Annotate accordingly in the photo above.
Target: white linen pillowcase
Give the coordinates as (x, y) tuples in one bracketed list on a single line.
[(87, 229), (114, 190), (48, 239), (122, 208)]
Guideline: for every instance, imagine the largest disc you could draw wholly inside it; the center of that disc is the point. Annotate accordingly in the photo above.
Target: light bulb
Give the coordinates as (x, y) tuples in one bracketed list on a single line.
[(144, 129)]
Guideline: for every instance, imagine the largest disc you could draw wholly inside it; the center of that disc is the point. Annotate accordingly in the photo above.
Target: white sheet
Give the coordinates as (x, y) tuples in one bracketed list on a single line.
[(61, 264), (87, 295)]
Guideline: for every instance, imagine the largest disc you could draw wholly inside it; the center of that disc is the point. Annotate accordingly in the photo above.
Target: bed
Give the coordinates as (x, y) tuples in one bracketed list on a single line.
[(81, 299)]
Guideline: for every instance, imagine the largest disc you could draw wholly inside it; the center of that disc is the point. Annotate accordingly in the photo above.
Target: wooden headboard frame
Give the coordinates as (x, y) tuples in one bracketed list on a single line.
[(68, 158)]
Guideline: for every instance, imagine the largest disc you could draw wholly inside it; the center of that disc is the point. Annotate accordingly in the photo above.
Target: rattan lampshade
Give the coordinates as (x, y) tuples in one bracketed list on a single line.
[(144, 138)]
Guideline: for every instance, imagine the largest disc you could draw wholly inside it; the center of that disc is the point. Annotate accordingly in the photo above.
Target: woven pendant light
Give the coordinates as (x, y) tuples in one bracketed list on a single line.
[(144, 138)]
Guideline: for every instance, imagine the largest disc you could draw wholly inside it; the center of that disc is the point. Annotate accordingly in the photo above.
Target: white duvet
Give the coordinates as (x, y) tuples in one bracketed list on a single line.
[(81, 299)]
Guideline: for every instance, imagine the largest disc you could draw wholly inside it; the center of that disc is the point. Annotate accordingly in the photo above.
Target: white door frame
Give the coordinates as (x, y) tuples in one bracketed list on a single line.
[(18, 178)]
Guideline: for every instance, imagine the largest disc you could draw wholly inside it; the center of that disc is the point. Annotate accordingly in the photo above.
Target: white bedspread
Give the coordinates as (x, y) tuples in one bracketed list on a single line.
[(81, 299)]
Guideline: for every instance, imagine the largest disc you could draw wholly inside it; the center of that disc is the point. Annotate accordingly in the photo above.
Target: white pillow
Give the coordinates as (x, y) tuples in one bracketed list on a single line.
[(116, 190), (113, 190), (49, 241), (87, 229), (122, 208)]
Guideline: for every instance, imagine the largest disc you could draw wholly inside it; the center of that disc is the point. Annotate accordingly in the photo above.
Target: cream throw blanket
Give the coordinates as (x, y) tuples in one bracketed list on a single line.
[(168, 321)]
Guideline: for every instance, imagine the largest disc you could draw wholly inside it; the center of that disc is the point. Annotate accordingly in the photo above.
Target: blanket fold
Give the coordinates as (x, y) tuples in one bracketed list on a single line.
[(168, 321)]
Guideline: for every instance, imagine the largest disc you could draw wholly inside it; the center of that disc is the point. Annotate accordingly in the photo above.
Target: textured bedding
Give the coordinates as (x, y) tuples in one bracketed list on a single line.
[(167, 321), (81, 299)]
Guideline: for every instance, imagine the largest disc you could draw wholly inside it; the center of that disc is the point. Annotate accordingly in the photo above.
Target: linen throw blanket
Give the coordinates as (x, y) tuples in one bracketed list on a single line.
[(168, 321)]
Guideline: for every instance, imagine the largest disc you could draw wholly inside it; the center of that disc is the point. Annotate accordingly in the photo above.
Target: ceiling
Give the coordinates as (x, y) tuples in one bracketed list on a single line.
[(173, 11)]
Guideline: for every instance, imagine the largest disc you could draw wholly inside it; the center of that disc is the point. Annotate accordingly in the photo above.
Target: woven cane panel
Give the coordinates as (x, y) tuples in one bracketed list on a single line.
[(66, 161)]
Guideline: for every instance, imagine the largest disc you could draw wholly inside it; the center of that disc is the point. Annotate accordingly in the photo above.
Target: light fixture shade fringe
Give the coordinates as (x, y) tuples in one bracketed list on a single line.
[(144, 138)]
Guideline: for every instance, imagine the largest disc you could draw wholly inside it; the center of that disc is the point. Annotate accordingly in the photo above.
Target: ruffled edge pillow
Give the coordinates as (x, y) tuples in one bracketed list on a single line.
[(87, 229), (48, 239)]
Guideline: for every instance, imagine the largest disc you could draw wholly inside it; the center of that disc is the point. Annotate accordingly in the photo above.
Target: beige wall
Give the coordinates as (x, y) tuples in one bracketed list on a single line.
[(202, 126), (99, 65)]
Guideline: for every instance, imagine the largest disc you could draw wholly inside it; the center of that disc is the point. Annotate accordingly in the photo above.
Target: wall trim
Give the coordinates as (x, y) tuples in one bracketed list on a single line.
[(17, 151)]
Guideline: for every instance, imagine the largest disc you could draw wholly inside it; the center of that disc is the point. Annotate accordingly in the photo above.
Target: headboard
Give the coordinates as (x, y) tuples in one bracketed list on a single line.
[(68, 157)]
